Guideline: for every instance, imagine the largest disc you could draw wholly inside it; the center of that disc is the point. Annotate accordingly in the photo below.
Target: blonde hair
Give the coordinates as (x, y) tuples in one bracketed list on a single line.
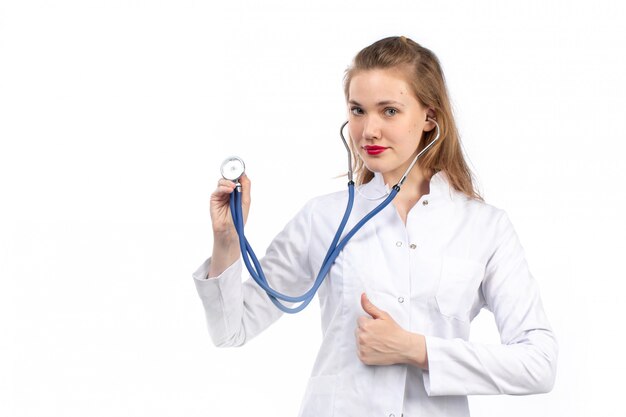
[(426, 78)]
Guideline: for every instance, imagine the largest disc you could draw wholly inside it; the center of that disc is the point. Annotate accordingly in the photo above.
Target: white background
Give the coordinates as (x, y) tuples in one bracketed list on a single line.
[(115, 117)]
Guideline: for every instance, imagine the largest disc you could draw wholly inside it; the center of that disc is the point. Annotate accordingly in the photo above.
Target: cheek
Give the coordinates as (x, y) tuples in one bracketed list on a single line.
[(355, 131)]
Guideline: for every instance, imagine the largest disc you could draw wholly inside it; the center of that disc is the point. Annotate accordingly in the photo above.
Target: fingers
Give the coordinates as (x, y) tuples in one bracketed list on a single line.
[(222, 182), (244, 180), (225, 186), (361, 321), (229, 186), (245, 189)]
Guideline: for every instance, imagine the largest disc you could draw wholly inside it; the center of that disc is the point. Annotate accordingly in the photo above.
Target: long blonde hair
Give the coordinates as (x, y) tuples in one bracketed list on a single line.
[(426, 78)]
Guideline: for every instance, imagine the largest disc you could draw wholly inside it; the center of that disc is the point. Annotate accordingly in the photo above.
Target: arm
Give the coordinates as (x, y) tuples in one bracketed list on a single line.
[(237, 311), (525, 361)]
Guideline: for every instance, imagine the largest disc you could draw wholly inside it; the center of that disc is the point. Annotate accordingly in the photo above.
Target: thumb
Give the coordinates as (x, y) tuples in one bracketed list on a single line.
[(370, 308), (245, 189)]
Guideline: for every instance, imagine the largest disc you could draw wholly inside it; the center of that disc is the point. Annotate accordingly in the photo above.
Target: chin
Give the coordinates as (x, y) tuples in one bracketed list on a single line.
[(373, 167), (377, 166)]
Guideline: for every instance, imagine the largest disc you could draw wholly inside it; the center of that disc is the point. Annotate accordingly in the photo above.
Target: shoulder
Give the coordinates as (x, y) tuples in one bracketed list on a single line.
[(326, 203), (318, 203), (324, 211), (480, 207), (486, 215), (463, 206)]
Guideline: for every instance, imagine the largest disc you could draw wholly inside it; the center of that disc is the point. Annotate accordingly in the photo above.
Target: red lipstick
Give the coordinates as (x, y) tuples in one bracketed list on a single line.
[(374, 150)]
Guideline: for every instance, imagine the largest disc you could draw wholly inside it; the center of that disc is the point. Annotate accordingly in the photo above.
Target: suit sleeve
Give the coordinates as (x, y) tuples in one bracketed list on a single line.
[(237, 310), (525, 361)]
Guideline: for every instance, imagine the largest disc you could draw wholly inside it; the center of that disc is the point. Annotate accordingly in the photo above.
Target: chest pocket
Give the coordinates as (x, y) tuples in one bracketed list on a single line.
[(458, 287)]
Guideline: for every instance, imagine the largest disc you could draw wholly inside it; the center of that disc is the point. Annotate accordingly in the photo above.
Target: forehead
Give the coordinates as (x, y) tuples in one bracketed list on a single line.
[(377, 84)]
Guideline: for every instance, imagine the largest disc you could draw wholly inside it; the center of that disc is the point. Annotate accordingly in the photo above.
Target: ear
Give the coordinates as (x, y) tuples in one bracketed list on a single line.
[(430, 114)]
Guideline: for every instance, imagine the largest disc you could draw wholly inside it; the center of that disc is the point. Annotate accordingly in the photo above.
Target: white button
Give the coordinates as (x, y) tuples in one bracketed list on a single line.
[(401, 299), (413, 246), (392, 415), (398, 243), (425, 202)]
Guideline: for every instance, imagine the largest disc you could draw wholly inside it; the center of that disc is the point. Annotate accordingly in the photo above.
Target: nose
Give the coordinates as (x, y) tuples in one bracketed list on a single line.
[(371, 129)]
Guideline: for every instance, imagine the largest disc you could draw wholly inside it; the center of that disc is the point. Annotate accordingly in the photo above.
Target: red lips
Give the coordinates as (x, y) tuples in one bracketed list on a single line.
[(374, 150)]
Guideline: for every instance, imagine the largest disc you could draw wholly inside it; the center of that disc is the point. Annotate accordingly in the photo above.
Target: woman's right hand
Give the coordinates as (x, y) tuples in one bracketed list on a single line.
[(221, 217)]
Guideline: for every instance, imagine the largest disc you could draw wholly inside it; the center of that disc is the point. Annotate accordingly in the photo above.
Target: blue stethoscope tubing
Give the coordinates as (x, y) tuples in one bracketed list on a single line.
[(254, 266), (333, 251)]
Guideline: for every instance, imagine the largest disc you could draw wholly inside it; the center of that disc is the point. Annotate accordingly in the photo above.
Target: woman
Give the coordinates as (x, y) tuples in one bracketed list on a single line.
[(397, 303)]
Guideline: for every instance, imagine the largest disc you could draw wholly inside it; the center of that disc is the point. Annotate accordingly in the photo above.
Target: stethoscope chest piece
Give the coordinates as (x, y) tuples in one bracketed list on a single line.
[(233, 168)]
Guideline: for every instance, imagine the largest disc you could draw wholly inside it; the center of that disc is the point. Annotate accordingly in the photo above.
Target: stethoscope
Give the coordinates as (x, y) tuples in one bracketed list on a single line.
[(233, 168)]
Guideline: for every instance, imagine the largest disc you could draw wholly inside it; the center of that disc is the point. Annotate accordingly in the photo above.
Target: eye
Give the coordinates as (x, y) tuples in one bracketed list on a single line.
[(357, 111), (390, 111)]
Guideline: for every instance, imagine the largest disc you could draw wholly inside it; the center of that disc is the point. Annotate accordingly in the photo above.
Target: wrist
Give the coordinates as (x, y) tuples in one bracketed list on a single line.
[(224, 255), (226, 238), (416, 352)]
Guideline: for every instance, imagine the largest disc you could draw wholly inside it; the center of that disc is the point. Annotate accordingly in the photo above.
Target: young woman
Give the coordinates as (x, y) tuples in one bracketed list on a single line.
[(397, 303)]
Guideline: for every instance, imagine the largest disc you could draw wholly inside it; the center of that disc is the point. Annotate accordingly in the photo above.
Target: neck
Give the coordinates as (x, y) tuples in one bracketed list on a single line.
[(415, 186)]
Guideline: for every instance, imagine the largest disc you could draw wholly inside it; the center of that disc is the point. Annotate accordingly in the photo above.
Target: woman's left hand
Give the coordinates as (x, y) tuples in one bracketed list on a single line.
[(381, 341)]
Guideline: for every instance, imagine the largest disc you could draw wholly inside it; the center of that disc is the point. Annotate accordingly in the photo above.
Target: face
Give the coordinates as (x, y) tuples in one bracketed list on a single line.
[(386, 121)]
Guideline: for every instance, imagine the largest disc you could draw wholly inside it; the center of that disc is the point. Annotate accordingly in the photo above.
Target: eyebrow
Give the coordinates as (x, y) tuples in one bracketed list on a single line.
[(380, 103)]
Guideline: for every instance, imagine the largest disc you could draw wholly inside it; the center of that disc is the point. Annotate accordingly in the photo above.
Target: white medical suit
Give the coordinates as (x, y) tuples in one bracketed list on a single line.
[(433, 275)]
